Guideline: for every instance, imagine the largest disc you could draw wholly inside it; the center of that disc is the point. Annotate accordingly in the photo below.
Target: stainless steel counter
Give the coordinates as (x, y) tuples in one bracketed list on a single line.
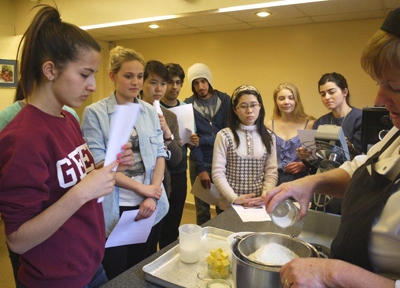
[(318, 228)]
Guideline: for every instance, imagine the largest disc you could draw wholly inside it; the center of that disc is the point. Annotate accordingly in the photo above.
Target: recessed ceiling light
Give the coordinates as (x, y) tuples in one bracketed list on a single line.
[(154, 26), (262, 14)]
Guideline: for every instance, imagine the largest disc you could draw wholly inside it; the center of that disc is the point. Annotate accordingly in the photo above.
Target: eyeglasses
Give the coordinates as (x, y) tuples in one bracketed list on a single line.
[(252, 106), (177, 83)]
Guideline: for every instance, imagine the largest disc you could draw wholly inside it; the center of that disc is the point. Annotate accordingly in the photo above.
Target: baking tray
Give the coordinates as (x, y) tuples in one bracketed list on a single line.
[(168, 271)]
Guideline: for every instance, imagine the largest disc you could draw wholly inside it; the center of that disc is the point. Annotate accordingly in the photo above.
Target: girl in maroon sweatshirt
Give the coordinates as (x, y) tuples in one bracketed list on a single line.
[(48, 198)]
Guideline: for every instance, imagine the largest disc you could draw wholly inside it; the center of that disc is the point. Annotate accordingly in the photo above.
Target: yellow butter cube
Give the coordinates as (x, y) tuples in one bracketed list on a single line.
[(225, 263), (224, 255), (210, 259)]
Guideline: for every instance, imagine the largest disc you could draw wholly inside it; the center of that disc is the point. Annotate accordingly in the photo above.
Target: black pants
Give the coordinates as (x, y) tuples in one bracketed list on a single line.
[(172, 221), (14, 259), (119, 259)]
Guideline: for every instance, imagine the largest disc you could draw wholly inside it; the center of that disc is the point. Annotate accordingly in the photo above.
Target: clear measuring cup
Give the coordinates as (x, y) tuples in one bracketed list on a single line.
[(285, 214), (190, 243)]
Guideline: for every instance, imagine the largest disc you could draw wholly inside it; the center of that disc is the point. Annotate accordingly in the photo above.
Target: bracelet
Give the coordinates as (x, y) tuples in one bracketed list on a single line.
[(154, 199)]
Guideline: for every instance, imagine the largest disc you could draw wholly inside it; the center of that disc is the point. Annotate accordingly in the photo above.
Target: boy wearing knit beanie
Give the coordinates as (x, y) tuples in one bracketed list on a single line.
[(210, 108)]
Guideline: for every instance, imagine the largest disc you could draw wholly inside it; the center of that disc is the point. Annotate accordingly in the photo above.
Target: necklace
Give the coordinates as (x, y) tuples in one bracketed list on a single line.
[(344, 118), (250, 142), (249, 139)]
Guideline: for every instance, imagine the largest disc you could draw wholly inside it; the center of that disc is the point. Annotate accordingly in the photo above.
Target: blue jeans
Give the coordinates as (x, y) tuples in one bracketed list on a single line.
[(98, 279)]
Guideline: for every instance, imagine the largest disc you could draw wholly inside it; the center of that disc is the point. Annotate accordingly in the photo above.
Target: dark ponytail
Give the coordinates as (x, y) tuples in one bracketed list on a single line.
[(49, 39)]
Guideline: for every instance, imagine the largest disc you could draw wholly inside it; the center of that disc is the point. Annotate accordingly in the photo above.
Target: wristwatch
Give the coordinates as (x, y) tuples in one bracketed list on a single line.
[(170, 138)]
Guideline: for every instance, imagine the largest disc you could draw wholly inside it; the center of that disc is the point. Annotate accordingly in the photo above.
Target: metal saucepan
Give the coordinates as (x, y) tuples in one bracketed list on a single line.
[(249, 273), (253, 242)]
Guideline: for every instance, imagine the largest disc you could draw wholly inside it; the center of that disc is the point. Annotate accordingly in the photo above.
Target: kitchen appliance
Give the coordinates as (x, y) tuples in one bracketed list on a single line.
[(328, 151), (376, 122)]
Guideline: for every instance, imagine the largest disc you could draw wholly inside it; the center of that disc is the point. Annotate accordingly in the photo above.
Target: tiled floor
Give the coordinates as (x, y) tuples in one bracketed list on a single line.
[(189, 214), (6, 277)]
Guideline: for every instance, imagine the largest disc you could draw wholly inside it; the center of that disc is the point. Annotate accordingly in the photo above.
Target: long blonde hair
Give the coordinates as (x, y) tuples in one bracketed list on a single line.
[(298, 111), (119, 55)]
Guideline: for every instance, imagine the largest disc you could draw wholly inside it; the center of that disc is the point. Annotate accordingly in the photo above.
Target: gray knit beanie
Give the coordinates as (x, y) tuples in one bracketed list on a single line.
[(199, 70)]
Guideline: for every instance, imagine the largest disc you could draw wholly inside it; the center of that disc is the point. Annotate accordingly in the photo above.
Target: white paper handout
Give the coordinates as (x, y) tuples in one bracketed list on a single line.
[(307, 136), (209, 196), (185, 116), (122, 123), (254, 214), (307, 140), (128, 231), (156, 104)]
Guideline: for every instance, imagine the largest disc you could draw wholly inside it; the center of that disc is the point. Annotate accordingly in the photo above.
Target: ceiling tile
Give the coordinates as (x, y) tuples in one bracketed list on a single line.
[(349, 16), (177, 32), (334, 7), (285, 22), (239, 26), (283, 12), (328, 11), (207, 20), (164, 25)]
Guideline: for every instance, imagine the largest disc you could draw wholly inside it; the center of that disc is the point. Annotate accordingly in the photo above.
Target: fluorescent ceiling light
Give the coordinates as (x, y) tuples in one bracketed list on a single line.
[(266, 5), (154, 26), (128, 22)]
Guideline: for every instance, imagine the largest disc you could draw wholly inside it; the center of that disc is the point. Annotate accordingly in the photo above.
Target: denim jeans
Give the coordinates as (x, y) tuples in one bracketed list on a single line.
[(98, 279)]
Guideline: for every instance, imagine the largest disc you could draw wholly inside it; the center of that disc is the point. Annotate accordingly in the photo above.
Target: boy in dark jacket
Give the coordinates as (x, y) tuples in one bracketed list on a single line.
[(211, 108)]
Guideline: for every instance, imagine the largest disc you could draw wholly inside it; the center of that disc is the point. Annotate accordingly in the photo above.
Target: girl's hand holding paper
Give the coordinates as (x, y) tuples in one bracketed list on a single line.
[(122, 123)]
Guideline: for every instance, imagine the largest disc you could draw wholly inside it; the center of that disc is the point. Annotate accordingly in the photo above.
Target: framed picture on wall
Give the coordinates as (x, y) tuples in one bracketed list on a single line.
[(8, 73)]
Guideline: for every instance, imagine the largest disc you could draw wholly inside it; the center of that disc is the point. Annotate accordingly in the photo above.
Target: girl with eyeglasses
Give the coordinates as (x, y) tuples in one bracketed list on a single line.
[(244, 164)]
